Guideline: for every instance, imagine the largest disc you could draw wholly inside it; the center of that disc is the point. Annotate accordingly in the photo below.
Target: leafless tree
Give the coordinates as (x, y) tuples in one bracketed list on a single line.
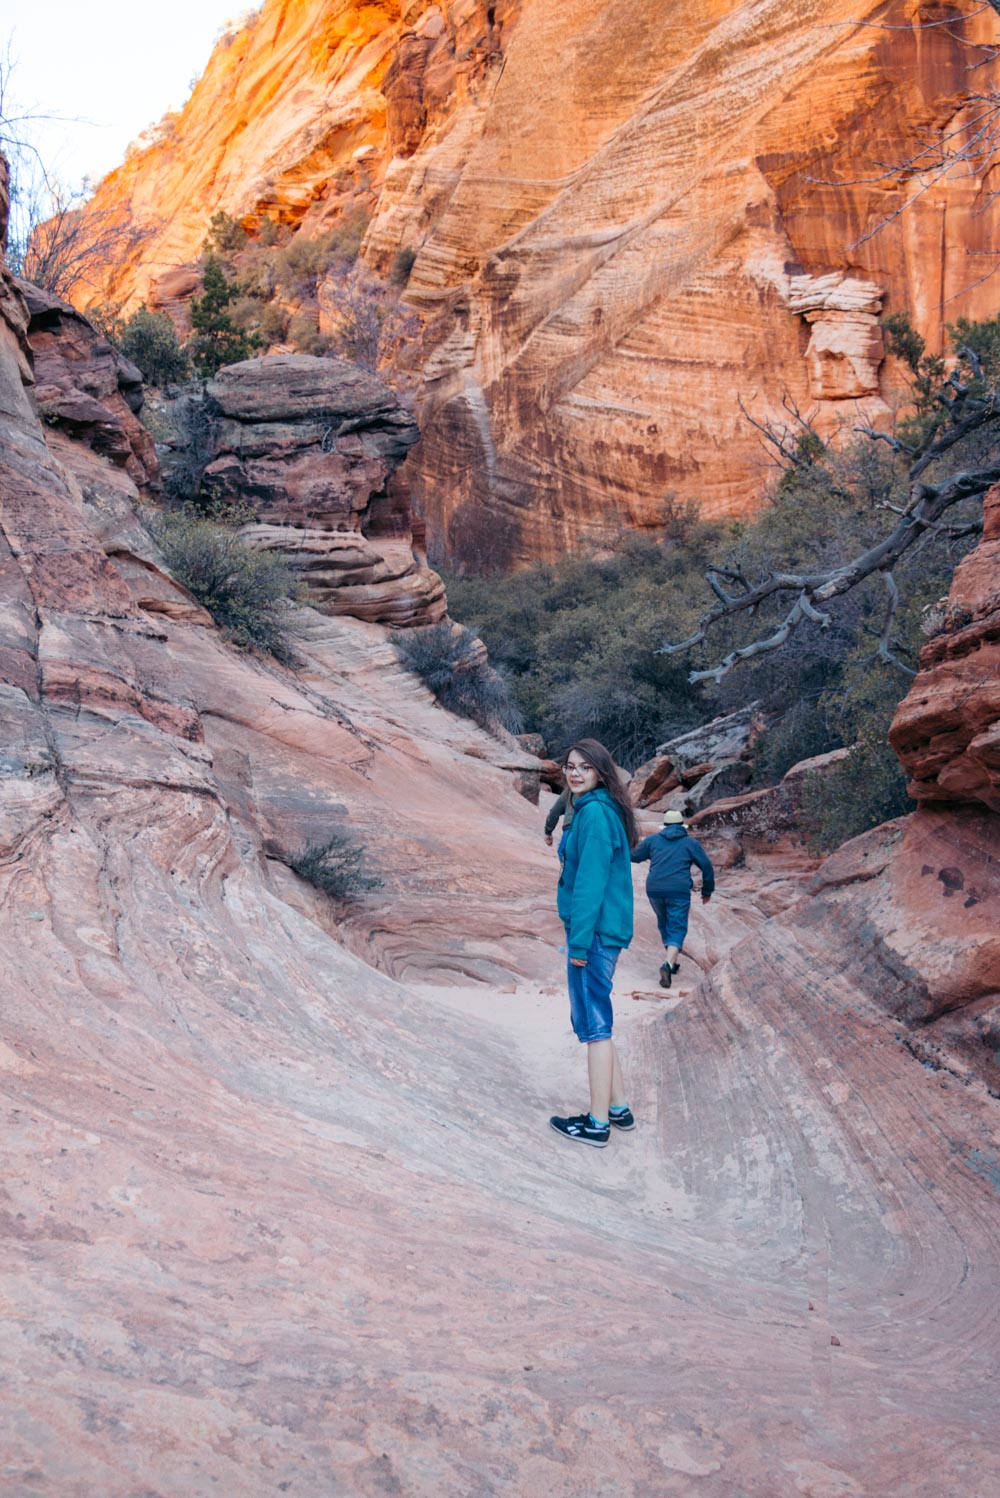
[(954, 416), (55, 239), (64, 244), (372, 324)]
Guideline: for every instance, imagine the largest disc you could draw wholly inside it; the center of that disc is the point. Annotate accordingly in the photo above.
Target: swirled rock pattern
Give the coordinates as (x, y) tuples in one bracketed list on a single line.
[(279, 1207)]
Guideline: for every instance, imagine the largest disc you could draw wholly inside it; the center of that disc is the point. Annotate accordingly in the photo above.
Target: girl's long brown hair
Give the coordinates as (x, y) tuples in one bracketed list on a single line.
[(607, 775)]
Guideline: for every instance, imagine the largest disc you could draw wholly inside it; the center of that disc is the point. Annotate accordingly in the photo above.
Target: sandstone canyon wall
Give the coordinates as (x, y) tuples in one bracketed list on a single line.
[(624, 219), (279, 1210)]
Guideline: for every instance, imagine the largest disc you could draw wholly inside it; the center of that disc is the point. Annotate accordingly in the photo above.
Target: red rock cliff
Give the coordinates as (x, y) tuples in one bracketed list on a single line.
[(623, 221)]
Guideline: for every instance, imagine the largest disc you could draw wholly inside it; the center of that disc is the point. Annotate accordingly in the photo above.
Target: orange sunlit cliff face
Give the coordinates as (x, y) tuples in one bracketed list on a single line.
[(626, 221)]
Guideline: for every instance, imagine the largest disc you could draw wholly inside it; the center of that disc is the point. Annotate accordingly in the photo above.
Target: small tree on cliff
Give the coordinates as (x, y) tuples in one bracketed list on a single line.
[(371, 324), (217, 340)]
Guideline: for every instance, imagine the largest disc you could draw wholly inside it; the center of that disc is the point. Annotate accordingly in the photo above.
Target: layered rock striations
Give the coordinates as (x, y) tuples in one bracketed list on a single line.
[(947, 729), (313, 447), (625, 220), (85, 389)]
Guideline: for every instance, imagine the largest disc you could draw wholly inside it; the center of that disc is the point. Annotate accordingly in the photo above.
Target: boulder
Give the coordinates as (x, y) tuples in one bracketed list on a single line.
[(688, 778), (312, 447), (652, 780), (725, 738), (86, 388), (533, 743), (762, 820), (309, 442), (726, 780)]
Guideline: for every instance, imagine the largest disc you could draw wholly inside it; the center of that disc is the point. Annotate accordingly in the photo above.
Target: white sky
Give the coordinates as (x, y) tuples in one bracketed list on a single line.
[(109, 67)]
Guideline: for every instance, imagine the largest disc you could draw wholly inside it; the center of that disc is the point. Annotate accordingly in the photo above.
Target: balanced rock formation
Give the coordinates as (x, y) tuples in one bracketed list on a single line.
[(313, 447), (623, 222)]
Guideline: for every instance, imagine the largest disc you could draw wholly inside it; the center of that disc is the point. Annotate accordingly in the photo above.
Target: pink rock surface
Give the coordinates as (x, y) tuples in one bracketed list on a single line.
[(280, 1211)]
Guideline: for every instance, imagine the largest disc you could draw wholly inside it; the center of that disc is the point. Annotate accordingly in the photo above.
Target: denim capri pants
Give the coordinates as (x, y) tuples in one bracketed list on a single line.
[(672, 913), (590, 993)]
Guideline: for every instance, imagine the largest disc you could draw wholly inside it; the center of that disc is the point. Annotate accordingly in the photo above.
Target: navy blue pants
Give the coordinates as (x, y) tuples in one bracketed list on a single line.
[(672, 911)]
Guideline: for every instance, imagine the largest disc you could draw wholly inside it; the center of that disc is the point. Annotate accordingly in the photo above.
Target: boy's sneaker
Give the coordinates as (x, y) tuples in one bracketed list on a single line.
[(582, 1129), (666, 973), (624, 1120)]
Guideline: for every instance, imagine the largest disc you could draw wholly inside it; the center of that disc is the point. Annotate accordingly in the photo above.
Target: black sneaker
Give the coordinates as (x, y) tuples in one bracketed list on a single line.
[(666, 973), (624, 1120), (582, 1129)]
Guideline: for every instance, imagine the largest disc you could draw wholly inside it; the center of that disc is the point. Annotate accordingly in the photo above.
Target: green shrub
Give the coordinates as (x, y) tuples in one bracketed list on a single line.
[(217, 340), (106, 317), (226, 235), (299, 265), (579, 641), (864, 790), (450, 662), (800, 733), (247, 592), (371, 326), (150, 340), (337, 867), (304, 334), (868, 787), (266, 321)]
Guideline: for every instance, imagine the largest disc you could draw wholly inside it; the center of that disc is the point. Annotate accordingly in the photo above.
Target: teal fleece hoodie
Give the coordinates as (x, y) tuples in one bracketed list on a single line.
[(595, 886)]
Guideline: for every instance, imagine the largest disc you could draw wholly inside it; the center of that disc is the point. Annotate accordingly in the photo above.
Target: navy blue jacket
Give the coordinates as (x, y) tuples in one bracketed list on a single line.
[(671, 852)]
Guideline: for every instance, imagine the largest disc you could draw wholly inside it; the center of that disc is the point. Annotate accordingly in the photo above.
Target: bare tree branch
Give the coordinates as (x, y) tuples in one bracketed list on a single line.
[(64, 244), (921, 514), (885, 639)]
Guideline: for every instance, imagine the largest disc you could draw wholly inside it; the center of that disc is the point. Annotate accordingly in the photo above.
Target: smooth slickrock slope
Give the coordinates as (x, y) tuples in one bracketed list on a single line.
[(626, 218), (279, 1210)]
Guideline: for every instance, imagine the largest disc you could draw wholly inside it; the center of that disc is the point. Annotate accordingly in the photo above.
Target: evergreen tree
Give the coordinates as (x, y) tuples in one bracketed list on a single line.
[(217, 340)]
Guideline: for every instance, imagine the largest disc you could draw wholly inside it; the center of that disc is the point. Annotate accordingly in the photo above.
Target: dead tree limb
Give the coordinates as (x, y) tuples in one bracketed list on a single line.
[(928, 502)]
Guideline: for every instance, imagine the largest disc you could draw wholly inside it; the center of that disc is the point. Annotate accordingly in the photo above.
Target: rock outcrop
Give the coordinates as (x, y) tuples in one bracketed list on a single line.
[(690, 219), (947, 729), (694, 769), (86, 389), (313, 448)]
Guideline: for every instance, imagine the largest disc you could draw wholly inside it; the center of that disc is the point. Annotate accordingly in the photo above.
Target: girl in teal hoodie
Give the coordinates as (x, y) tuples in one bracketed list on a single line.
[(595, 905)]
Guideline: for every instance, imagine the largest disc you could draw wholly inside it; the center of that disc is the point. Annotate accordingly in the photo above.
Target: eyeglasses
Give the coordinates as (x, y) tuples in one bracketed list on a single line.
[(577, 769)]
